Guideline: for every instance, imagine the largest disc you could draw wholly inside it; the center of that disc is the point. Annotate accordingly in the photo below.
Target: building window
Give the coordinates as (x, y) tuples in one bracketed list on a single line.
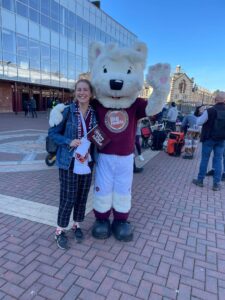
[(45, 21), (45, 7), (45, 58), (22, 45), (71, 66), (63, 63), (8, 4), (35, 4), (34, 54), (34, 30), (34, 15), (8, 41), (22, 10), (54, 60), (182, 86), (55, 10), (22, 25), (8, 20)]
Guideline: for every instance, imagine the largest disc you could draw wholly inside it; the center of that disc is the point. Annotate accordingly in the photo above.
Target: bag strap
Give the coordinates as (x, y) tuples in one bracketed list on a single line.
[(65, 121)]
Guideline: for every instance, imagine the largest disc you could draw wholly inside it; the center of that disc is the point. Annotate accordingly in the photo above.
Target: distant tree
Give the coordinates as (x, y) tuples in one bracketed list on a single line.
[(216, 91)]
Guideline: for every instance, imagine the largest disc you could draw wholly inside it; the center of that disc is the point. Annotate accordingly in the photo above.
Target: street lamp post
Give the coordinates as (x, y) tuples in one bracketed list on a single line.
[(8, 63), (16, 100), (5, 63)]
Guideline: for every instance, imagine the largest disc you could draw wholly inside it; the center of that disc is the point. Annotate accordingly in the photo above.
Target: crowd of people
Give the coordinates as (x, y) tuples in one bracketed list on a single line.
[(209, 125), (198, 125)]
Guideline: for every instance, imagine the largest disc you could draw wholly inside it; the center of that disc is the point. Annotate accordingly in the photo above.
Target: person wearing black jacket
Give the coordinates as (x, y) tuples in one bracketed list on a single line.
[(213, 139)]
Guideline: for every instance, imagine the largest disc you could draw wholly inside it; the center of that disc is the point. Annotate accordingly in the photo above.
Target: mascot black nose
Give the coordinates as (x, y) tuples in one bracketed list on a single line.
[(116, 84)]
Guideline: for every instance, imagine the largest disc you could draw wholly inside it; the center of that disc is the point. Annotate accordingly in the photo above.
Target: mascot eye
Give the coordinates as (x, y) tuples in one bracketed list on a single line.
[(129, 71), (105, 70)]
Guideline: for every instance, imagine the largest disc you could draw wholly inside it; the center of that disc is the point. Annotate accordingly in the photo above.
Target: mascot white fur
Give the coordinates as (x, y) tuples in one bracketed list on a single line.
[(117, 75)]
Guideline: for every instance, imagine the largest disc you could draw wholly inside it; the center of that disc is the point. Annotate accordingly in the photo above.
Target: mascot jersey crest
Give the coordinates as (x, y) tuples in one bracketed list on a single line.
[(117, 75), (116, 120)]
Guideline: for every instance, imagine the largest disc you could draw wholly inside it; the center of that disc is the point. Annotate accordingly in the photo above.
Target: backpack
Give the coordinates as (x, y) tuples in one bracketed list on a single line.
[(50, 146), (218, 131)]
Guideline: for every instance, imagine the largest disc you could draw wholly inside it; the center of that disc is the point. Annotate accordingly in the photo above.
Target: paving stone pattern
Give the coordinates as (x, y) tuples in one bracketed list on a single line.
[(178, 251)]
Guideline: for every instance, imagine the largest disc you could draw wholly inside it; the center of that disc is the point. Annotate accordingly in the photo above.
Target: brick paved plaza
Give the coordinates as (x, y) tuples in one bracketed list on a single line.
[(178, 251)]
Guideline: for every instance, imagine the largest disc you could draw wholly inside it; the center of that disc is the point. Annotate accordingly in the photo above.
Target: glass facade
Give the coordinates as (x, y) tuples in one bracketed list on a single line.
[(46, 41)]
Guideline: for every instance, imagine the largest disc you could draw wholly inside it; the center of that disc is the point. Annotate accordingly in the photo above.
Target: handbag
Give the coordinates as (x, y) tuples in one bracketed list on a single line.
[(50, 145)]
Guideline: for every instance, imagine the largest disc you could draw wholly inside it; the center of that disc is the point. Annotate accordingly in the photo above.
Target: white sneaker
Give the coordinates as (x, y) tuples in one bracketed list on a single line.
[(141, 158)]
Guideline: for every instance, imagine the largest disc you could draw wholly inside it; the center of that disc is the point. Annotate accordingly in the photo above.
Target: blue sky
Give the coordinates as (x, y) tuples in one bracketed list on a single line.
[(190, 33)]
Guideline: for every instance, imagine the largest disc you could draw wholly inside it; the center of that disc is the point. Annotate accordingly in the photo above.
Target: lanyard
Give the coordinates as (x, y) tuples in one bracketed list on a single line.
[(83, 124)]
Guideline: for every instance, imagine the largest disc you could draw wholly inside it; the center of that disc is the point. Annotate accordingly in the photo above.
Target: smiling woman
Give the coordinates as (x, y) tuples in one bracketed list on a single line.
[(73, 160)]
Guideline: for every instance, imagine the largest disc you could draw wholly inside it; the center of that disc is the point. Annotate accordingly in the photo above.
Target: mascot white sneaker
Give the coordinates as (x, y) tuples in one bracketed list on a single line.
[(117, 75)]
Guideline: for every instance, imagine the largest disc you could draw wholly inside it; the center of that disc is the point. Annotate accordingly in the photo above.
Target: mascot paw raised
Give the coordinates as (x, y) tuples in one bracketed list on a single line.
[(158, 78)]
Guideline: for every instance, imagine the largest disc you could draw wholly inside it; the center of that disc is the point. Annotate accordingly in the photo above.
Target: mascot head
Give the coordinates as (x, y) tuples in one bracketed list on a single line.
[(117, 73)]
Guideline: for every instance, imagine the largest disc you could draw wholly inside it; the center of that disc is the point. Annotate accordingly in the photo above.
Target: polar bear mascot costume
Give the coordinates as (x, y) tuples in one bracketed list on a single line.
[(117, 75)]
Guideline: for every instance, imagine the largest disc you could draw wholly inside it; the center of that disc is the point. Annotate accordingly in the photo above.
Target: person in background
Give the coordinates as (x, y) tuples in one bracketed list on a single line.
[(55, 101), (26, 108), (165, 111), (172, 116), (75, 173), (33, 106), (212, 140), (192, 132), (29, 107), (180, 116), (137, 141), (137, 169), (49, 107), (190, 120), (212, 171)]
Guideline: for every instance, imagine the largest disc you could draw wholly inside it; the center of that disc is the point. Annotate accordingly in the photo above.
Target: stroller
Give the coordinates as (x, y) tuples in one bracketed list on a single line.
[(175, 143), (158, 137)]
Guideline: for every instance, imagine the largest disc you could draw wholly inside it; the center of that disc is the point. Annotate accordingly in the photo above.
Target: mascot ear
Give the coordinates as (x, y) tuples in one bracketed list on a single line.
[(142, 49), (95, 49)]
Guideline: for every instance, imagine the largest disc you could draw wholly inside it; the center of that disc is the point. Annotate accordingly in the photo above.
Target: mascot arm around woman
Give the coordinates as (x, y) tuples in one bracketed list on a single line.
[(117, 75)]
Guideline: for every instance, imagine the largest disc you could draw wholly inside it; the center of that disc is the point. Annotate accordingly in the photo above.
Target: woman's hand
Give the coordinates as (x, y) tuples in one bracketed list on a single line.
[(75, 143)]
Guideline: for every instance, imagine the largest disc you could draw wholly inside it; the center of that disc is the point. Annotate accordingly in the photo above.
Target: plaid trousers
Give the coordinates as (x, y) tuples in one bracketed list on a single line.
[(74, 191)]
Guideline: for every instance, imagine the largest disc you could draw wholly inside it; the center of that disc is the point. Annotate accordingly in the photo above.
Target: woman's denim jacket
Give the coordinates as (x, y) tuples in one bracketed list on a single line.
[(64, 133)]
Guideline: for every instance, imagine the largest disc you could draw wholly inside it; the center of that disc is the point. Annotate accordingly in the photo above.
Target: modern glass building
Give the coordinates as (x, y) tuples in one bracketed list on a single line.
[(44, 47)]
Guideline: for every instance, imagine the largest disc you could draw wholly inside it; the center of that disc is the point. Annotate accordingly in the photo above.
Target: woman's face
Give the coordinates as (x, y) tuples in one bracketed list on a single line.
[(83, 92)]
